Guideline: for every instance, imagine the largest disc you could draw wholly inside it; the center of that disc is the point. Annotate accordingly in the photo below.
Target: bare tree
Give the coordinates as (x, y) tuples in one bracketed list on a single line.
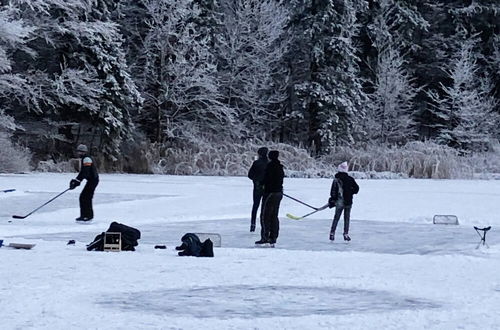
[(250, 51), (178, 72)]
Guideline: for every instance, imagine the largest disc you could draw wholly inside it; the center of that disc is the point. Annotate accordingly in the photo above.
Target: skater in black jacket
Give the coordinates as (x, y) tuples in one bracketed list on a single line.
[(256, 174), (343, 187), (273, 193), (88, 171)]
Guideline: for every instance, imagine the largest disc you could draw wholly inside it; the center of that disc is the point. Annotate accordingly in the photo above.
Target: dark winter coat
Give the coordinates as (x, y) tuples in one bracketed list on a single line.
[(273, 177), (257, 171), (348, 187), (88, 170)]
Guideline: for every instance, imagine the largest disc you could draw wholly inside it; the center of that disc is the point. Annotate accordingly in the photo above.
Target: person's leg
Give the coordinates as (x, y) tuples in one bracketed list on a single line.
[(267, 216), (263, 229), (257, 196), (347, 219), (83, 202), (338, 212), (274, 222), (86, 196)]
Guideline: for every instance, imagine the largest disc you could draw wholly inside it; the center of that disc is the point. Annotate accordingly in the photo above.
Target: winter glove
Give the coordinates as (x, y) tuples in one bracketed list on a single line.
[(73, 184), (331, 202)]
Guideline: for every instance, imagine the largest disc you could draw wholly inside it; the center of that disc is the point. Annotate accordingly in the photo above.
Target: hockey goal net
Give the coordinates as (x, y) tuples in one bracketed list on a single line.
[(445, 219), (214, 237)]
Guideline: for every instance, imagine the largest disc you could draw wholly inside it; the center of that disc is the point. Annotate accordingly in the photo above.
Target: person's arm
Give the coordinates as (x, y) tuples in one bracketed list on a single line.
[(267, 175), (334, 191), (355, 187), (333, 194), (251, 172)]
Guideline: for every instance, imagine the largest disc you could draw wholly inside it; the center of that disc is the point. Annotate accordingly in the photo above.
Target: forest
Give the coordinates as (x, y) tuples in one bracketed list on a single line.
[(196, 86)]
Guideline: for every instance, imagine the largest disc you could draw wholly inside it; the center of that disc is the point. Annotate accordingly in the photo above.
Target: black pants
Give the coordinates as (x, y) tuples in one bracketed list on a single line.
[(258, 193), (270, 221), (86, 196)]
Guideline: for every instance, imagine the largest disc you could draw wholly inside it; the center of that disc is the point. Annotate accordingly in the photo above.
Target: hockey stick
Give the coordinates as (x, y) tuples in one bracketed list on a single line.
[(8, 190), (27, 215), (308, 214), (301, 202)]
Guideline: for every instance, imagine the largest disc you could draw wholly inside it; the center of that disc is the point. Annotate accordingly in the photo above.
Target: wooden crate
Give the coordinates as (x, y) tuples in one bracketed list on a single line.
[(112, 241)]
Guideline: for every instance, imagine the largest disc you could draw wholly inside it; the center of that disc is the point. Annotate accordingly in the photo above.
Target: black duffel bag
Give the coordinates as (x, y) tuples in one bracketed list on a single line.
[(129, 237)]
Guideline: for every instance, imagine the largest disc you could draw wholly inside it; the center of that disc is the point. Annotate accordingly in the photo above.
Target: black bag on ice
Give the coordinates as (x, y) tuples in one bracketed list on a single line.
[(192, 246), (129, 237)]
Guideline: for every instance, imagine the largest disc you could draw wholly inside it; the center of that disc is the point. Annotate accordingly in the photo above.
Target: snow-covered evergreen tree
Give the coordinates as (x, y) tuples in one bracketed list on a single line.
[(79, 74), (332, 96), (14, 34), (465, 107), (390, 118), (391, 107)]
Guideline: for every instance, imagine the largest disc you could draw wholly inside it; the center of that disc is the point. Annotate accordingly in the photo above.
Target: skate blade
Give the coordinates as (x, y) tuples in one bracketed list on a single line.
[(266, 245), (88, 222)]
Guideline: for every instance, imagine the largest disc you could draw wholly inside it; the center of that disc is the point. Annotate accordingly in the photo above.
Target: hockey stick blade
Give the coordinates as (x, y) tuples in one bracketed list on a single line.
[(308, 214), (18, 217)]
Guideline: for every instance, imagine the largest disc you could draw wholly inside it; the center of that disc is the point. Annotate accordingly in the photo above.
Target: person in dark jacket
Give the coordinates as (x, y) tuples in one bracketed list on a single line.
[(343, 187), (273, 193), (256, 174), (88, 171)]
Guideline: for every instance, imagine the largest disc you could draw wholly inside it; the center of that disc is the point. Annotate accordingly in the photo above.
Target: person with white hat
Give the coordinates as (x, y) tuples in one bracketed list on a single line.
[(343, 187), (88, 171)]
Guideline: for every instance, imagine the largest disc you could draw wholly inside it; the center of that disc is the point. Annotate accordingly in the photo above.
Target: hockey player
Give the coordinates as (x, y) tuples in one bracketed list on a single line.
[(343, 187), (88, 171), (273, 193), (256, 174)]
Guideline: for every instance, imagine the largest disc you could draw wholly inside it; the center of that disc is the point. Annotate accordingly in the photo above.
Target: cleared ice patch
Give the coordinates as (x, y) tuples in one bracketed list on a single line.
[(225, 302)]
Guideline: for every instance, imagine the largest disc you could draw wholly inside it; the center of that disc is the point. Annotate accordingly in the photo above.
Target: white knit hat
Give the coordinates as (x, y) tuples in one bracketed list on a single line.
[(343, 167)]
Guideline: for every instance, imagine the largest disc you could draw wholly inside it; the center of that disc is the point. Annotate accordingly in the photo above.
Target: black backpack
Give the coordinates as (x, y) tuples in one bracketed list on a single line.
[(192, 246), (129, 237), (207, 249)]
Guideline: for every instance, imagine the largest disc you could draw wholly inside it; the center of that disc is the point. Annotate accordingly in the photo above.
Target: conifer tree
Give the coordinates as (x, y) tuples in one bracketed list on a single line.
[(79, 75), (466, 106), (331, 95)]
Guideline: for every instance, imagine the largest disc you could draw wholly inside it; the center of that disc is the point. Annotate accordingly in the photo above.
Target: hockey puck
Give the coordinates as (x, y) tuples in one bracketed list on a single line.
[(160, 247)]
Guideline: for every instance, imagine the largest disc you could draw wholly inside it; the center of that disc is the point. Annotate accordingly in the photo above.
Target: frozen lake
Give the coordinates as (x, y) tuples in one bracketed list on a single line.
[(399, 271)]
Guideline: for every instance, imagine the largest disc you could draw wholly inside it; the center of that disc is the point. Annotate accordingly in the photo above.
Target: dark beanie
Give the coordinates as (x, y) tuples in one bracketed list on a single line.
[(273, 154), (262, 152)]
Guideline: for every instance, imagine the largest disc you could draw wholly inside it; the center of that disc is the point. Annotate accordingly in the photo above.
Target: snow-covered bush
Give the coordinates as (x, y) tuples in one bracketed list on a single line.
[(13, 158), (212, 156), (417, 160), (60, 167)]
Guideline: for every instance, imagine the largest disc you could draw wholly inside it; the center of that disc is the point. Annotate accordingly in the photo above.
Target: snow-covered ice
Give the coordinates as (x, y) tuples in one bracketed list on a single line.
[(399, 272)]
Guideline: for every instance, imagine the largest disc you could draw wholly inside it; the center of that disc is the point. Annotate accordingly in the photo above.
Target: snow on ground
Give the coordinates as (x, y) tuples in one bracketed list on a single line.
[(399, 272)]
